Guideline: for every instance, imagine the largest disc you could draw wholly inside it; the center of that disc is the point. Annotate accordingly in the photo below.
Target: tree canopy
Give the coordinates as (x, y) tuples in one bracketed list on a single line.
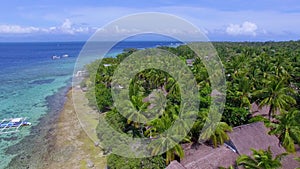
[(265, 73)]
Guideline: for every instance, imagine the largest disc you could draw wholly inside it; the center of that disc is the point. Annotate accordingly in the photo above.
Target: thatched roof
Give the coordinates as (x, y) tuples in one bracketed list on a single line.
[(288, 162), (254, 135), (260, 111), (208, 157), (175, 165), (242, 139)]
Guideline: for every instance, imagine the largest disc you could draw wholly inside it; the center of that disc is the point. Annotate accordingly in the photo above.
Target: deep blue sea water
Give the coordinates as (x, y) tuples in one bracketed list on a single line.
[(28, 75)]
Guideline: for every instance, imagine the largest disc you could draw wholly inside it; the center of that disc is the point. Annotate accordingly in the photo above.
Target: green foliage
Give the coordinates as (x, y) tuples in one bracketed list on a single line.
[(266, 121), (103, 97), (235, 116), (117, 162), (99, 96), (216, 133), (288, 129), (205, 96), (277, 95), (116, 120), (92, 68), (260, 160), (220, 134), (125, 54), (182, 51), (266, 73)]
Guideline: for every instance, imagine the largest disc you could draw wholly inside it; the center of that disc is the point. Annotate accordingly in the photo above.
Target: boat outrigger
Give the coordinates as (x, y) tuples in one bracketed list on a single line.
[(12, 125)]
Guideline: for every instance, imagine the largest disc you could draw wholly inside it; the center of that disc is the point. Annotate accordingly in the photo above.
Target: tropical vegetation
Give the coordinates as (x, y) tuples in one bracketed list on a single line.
[(261, 159), (262, 73)]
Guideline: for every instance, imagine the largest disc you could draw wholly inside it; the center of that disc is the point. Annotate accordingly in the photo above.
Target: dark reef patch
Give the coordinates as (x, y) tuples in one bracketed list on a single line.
[(40, 82), (34, 148)]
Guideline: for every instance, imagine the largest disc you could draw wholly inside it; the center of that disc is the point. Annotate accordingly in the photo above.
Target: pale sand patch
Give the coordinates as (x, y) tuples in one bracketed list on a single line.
[(73, 147), (87, 116)]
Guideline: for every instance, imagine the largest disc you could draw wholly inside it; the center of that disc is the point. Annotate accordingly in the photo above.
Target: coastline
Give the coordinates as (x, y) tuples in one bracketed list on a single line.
[(58, 141), (35, 146)]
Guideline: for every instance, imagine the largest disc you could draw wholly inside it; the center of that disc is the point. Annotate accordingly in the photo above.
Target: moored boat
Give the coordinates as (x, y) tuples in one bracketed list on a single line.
[(12, 125)]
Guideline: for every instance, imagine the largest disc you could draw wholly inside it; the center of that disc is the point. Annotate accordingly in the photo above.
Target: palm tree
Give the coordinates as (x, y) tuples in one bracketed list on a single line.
[(236, 64), (281, 67), (288, 129), (162, 142), (241, 91), (165, 140), (276, 95), (219, 136), (170, 154), (260, 160), (215, 133), (263, 64)]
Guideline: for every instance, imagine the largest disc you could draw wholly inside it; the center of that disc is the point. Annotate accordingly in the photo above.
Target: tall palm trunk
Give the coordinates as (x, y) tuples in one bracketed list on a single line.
[(270, 112)]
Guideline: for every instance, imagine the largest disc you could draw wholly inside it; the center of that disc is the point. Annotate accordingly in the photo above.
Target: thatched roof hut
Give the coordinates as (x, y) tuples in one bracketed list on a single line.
[(242, 139), (205, 157), (208, 157), (254, 135)]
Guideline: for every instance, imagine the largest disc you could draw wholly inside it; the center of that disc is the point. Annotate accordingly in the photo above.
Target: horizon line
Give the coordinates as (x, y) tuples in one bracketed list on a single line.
[(213, 41)]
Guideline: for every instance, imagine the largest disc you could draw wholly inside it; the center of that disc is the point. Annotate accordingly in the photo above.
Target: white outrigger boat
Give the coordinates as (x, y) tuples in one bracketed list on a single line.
[(12, 125)]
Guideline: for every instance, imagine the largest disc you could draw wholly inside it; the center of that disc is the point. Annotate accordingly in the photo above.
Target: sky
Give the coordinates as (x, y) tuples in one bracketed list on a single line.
[(70, 20)]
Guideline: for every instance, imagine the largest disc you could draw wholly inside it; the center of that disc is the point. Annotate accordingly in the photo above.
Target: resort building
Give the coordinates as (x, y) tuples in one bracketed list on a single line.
[(242, 139), (190, 62)]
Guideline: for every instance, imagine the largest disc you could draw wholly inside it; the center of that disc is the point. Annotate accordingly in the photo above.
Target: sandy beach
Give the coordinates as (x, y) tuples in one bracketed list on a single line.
[(60, 141), (73, 147)]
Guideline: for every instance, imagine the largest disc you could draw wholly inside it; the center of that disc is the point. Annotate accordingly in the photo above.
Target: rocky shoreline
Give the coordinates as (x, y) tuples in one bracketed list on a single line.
[(58, 141)]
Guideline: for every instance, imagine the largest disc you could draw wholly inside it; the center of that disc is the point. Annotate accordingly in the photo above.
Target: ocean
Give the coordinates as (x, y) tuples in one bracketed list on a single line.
[(29, 77)]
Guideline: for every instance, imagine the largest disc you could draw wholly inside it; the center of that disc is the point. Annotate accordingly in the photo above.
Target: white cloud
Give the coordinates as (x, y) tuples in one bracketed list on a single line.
[(67, 27), (247, 28), (16, 29)]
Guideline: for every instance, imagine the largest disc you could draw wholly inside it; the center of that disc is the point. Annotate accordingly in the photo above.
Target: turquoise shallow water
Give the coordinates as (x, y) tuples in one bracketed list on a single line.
[(29, 76)]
